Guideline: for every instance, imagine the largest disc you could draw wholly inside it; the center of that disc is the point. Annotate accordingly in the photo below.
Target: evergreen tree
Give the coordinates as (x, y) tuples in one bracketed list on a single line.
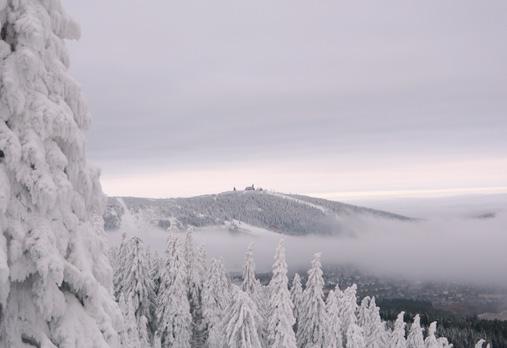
[(312, 327), (194, 283), (431, 340), (363, 312), (374, 328), (138, 286), (258, 293), (199, 276), (334, 336), (480, 343), (154, 264), (281, 317), (118, 257), (144, 331), (215, 299), (55, 276), (348, 308), (174, 319), (250, 283), (202, 263), (415, 337), (241, 322), (385, 336), (129, 335), (355, 337), (193, 279), (398, 335), (263, 298), (225, 283), (296, 295)]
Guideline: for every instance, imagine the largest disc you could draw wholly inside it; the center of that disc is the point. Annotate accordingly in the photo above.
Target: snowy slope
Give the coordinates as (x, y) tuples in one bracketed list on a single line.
[(281, 213)]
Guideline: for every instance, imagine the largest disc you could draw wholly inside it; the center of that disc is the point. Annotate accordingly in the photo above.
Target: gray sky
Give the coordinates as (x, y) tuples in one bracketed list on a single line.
[(332, 98)]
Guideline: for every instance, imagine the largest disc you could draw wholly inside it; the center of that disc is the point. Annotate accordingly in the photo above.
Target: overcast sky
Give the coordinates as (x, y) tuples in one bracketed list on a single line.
[(330, 98)]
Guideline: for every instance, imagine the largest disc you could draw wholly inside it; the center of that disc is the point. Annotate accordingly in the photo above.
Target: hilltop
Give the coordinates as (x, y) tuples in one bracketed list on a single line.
[(289, 214)]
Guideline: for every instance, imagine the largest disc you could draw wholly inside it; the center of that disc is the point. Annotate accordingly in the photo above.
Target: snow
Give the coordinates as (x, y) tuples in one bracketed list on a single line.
[(174, 318), (282, 213), (57, 287), (312, 327), (280, 316), (300, 201), (55, 278), (241, 322)]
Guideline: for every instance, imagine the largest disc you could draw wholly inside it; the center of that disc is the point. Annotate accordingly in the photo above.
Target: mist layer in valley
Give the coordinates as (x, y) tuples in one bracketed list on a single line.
[(465, 247)]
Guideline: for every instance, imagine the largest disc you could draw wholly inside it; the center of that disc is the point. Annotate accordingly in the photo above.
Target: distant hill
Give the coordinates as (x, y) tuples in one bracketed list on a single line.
[(282, 213)]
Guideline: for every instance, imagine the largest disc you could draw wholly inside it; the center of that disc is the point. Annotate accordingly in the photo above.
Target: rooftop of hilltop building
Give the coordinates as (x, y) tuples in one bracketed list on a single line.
[(249, 188)]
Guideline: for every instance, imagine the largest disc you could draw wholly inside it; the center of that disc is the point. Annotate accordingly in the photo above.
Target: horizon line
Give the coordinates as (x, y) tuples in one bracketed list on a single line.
[(413, 193)]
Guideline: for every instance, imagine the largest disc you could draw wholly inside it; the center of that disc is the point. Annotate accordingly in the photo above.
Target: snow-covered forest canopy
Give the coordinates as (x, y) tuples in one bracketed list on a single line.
[(183, 299), (62, 286)]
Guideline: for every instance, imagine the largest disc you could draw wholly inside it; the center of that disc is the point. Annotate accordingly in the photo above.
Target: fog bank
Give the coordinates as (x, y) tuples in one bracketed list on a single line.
[(455, 249)]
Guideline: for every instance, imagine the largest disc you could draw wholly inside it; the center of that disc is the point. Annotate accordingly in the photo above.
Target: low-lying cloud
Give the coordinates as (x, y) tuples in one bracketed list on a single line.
[(455, 249)]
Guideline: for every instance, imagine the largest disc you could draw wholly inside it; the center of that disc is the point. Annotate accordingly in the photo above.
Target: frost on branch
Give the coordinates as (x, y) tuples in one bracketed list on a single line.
[(174, 318), (296, 295), (280, 316), (312, 327), (241, 322), (55, 279), (215, 299)]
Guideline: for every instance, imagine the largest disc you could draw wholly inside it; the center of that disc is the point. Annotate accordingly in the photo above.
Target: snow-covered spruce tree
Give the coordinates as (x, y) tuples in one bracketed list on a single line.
[(312, 327), (155, 263), (363, 311), (348, 308), (173, 311), (55, 277), (241, 322), (258, 293), (334, 335), (281, 317), (480, 343), (138, 285), (117, 256), (215, 299), (129, 335), (355, 337), (415, 337), (200, 271), (202, 263), (193, 279), (122, 332), (263, 296), (225, 282), (385, 335), (250, 284), (431, 340), (194, 283), (374, 329), (398, 335), (296, 295)]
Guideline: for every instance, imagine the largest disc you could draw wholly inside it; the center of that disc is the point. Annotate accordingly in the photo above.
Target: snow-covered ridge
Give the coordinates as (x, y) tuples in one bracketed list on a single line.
[(283, 213)]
